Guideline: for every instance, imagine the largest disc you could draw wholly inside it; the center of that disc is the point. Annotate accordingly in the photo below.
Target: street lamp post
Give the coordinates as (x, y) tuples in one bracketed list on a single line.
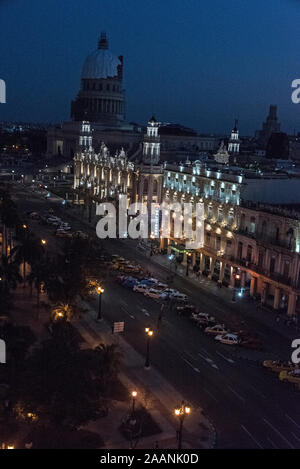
[(133, 395), (100, 291), (181, 412), (149, 334)]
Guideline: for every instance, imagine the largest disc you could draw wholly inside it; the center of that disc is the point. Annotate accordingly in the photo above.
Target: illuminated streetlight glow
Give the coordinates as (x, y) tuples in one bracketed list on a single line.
[(181, 412)]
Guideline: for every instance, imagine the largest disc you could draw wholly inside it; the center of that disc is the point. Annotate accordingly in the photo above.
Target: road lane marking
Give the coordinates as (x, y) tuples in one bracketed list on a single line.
[(278, 433), (191, 365), (236, 394), (225, 358), (292, 420), (251, 436), (145, 312), (210, 394), (130, 315), (209, 361)]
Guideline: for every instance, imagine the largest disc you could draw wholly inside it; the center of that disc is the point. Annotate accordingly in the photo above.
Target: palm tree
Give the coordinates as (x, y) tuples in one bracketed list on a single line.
[(8, 216), (29, 250), (9, 274), (109, 360), (39, 274)]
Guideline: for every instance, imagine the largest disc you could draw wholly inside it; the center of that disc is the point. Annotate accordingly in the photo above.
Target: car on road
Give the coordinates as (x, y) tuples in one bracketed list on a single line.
[(80, 234), (218, 329), (149, 282), (228, 339), (186, 310), (161, 286), (203, 320), (152, 293), (129, 282), (62, 234), (180, 297), (141, 288), (292, 376), (131, 268), (278, 365), (65, 226), (34, 216)]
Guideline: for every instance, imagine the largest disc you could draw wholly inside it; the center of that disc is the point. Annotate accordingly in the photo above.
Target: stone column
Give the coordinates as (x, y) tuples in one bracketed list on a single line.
[(276, 298), (201, 262), (211, 267), (232, 278), (292, 304), (253, 286), (222, 271), (264, 292), (243, 278)]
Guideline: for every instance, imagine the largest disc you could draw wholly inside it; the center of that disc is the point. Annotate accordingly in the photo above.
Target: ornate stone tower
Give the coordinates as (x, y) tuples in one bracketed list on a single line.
[(151, 144), (234, 141), (101, 97)]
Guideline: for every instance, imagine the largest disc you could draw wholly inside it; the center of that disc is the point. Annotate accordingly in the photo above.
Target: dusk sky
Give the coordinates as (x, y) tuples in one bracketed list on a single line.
[(198, 63)]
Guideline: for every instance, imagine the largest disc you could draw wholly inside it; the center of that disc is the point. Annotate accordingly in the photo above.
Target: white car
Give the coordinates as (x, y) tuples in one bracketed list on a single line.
[(161, 286), (64, 226), (152, 293), (170, 291), (141, 288), (218, 329), (229, 339), (202, 318), (178, 296)]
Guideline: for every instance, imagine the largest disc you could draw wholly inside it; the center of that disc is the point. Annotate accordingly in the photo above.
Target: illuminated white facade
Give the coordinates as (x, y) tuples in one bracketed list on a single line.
[(234, 142)]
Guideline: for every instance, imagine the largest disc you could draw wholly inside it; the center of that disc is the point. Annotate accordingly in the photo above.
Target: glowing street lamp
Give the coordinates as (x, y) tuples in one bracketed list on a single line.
[(44, 242), (181, 412), (133, 395), (100, 291), (149, 334)]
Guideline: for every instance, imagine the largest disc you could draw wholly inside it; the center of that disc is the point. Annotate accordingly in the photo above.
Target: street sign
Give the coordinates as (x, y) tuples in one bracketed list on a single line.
[(118, 327)]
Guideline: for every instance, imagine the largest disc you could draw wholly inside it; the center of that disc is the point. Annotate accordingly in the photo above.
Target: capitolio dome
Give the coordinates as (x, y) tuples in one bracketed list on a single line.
[(101, 63)]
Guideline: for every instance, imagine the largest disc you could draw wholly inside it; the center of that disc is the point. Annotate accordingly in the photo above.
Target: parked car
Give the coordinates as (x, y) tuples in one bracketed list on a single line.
[(65, 226), (180, 297), (152, 293), (228, 339), (141, 288), (62, 234), (34, 216), (161, 286), (129, 282), (292, 376), (203, 320), (186, 310), (131, 268), (218, 329), (147, 282), (278, 365), (80, 234)]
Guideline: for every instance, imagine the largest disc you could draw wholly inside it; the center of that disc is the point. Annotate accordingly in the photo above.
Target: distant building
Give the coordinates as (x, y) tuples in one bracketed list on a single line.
[(101, 97), (278, 146), (270, 126)]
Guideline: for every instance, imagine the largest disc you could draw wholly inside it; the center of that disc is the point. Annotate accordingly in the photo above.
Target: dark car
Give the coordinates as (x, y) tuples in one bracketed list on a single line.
[(185, 310)]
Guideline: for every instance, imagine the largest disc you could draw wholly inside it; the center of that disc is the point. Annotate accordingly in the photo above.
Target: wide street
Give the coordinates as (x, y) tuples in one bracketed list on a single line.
[(247, 404)]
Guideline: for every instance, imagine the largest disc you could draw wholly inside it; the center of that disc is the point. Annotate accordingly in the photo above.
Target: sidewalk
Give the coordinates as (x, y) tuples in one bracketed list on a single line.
[(158, 396)]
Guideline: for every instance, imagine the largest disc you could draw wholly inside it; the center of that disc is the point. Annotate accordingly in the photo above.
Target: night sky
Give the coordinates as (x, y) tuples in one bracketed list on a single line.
[(200, 63)]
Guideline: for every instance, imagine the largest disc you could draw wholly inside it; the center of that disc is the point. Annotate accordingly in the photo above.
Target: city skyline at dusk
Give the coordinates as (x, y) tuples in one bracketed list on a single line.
[(225, 62)]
